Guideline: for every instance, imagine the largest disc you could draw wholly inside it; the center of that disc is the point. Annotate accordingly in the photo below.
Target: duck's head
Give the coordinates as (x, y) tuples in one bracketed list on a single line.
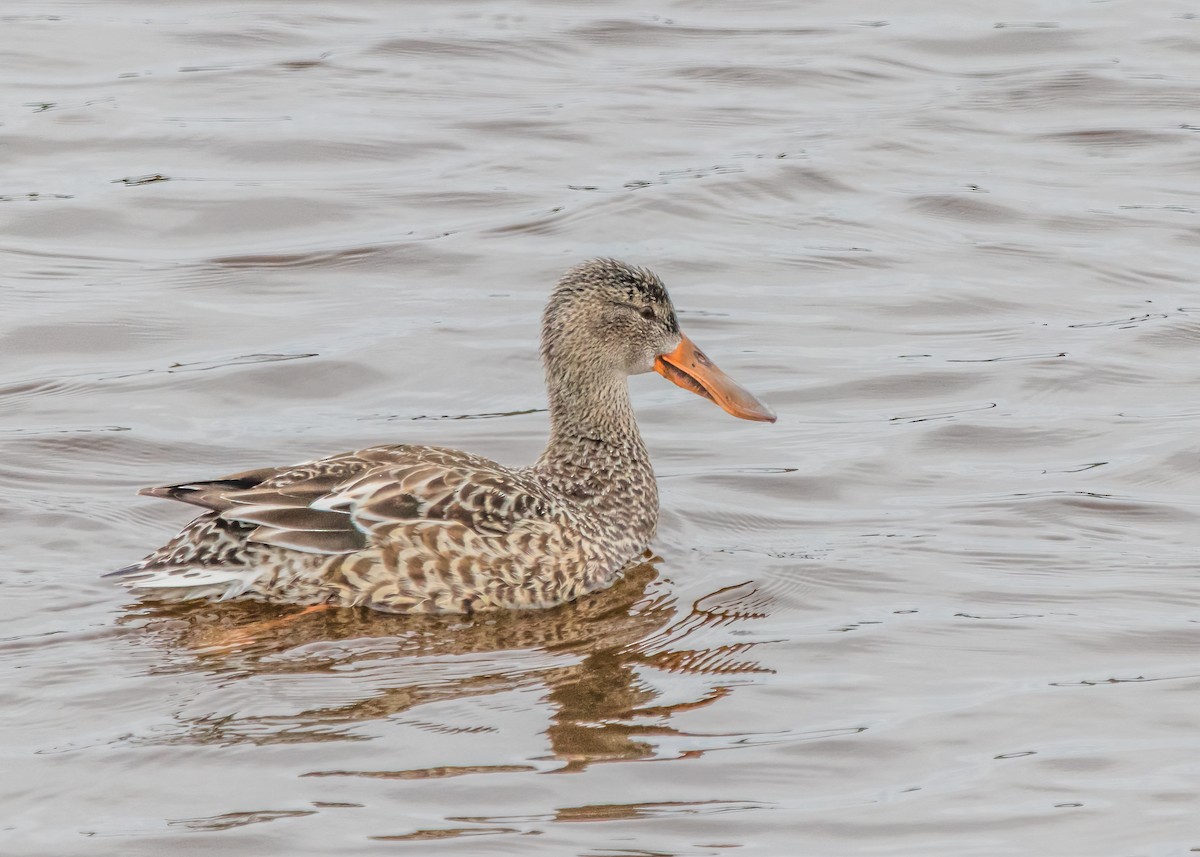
[(609, 317)]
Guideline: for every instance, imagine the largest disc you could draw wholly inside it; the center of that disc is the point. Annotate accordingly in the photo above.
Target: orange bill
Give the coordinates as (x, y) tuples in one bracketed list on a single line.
[(688, 367)]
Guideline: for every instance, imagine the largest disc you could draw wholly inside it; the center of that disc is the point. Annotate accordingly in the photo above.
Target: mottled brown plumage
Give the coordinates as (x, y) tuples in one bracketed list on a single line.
[(422, 529)]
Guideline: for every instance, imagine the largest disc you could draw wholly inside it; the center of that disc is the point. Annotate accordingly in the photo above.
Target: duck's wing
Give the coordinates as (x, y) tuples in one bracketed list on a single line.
[(343, 504)]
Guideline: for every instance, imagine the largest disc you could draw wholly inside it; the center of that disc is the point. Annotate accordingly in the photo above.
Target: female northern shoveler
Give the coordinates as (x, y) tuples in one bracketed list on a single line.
[(423, 529)]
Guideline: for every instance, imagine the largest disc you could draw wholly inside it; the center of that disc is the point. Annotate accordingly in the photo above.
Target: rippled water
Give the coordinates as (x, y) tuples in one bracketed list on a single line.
[(948, 605)]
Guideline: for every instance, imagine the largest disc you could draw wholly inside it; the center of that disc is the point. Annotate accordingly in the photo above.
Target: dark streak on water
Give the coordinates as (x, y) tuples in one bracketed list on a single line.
[(948, 605)]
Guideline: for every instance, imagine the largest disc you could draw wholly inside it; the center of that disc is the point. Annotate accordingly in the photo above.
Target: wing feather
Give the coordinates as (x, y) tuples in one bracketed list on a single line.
[(288, 517), (310, 541), (343, 504)]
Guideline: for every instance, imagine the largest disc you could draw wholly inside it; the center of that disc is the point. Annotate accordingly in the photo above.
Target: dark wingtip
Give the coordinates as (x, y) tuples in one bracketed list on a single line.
[(129, 569), (183, 493)]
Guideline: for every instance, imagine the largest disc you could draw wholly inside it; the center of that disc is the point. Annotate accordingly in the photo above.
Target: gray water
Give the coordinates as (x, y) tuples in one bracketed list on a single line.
[(947, 605)]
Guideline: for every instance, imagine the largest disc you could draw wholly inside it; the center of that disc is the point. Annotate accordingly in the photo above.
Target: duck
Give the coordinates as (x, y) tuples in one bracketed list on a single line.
[(407, 528)]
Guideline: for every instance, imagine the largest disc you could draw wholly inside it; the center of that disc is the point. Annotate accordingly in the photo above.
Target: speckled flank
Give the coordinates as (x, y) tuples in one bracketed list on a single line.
[(420, 529)]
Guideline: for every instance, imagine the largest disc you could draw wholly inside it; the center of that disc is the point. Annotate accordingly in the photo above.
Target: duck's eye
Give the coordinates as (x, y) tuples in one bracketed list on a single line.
[(647, 313)]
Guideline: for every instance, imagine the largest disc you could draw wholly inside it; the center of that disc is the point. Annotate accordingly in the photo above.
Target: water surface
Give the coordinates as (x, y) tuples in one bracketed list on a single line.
[(947, 605)]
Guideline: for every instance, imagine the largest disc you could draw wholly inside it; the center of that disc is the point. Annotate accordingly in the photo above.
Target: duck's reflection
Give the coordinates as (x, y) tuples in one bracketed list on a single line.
[(591, 657)]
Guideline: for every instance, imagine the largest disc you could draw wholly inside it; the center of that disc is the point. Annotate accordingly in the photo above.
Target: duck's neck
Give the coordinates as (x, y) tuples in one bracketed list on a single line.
[(590, 407), (595, 454)]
